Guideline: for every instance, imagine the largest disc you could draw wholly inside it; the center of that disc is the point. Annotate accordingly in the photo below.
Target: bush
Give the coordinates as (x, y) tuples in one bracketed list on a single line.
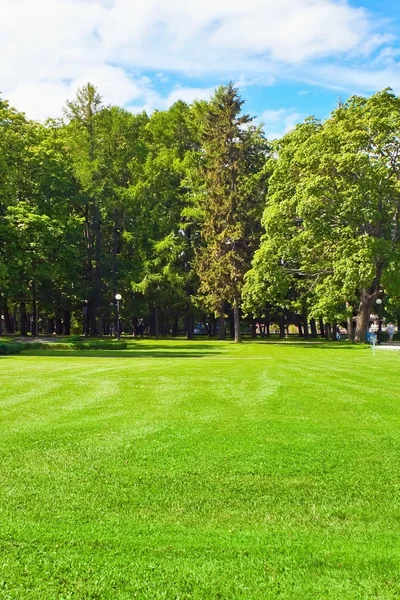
[(99, 345), (80, 345), (13, 348), (385, 337)]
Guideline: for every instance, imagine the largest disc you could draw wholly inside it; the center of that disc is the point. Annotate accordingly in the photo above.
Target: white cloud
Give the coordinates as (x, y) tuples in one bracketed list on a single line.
[(53, 46), (278, 122), (364, 80), (156, 102)]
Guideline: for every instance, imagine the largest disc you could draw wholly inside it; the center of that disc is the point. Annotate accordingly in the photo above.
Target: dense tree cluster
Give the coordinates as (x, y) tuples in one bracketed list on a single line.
[(193, 217)]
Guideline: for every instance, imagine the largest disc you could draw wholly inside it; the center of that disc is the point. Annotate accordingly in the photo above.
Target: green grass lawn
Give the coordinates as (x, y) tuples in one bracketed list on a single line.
[(181, 470)]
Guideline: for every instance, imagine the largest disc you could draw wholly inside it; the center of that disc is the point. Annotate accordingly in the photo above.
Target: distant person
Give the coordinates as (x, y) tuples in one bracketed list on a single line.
[(371, 336), (390, 330)]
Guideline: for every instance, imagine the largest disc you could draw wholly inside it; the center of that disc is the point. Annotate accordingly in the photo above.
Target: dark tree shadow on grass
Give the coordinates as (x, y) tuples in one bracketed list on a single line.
[(118, 353), (315, 345)]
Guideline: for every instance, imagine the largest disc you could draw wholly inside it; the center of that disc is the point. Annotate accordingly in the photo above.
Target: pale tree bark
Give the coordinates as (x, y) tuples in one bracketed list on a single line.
[(363, 316), (350, 326), (367, 298), (236, 315), (305, 325)]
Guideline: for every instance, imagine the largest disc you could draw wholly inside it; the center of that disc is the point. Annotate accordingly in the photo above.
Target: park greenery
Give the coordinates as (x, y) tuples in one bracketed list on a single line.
[(269, 470), (194, 217)]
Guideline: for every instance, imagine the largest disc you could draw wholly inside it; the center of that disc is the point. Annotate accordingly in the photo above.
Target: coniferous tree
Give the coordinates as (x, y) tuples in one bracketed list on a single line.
[(233, 157)]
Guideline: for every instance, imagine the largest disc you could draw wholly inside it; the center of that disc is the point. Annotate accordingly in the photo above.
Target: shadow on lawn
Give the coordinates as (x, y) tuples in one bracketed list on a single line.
[(328, 345), (142, 353)]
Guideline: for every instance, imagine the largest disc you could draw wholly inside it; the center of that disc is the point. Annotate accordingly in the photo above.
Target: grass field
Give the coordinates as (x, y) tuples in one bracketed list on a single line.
[(202, 470)]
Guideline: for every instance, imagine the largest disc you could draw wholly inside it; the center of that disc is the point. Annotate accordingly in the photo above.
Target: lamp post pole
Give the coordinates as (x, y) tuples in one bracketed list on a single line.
[(118, 298)]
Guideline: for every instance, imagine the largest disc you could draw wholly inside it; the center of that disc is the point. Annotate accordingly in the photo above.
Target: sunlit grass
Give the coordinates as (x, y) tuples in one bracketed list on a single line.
[(200, 470)]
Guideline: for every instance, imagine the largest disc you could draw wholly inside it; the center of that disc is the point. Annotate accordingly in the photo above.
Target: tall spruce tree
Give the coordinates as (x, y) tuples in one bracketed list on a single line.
[(233, 158)]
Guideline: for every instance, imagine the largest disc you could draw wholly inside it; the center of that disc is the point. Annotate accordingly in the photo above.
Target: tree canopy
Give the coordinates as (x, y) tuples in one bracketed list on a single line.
[(194, 217)]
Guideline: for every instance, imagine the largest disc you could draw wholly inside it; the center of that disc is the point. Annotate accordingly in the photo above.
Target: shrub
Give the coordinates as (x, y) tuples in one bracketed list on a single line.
[(385, 336), (80, 345), (13, 348), (101, 345), (75, 338)]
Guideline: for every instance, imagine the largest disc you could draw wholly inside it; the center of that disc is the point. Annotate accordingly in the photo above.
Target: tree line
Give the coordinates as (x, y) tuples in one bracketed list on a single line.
[(193, 216)]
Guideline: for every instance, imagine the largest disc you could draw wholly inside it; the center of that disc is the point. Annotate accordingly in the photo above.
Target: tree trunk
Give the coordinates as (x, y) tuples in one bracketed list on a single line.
[(236, 317), (313, 327), (23, 320), (221, 327), (164, 326), (100, 326), (334, 331), (50, 326), (232, 325), (34, 325), (305, 325), (8, 320), (97, 322), (282, 326), (363, 316), (67, 323), (86, 320), (190, 327), (210, 327), (135, 325), (1, 315), (254, 329), (299, 327), (214, 327), (174, 331), (156, 322), (350, 329), (321, 327), (328, 331), (267, 329), (91, 318), (59, 325)]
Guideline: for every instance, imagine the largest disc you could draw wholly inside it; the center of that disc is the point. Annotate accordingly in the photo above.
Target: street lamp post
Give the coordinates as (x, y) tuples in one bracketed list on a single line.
[(379, 335), (118, 297)]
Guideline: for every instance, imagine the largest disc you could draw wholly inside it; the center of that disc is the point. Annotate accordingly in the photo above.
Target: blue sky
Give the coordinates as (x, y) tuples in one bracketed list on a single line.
[(290, 59)]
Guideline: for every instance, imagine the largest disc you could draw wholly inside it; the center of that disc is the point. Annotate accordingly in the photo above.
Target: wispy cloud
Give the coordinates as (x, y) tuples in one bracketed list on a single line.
[(278, 122), (53, 46)]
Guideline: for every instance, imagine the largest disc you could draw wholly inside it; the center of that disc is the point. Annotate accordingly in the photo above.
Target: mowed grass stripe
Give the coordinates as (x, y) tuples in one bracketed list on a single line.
[(273, 476)]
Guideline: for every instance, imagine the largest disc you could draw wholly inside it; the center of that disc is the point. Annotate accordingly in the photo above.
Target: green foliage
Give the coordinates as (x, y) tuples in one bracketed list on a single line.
[(168, 210), (333, 214), (232, 202), (122, 478), (10, 348), (75, 345)]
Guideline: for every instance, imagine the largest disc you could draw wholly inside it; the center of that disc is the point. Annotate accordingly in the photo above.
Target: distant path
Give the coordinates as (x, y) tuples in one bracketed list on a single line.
[(395, 346), (31, 340)]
